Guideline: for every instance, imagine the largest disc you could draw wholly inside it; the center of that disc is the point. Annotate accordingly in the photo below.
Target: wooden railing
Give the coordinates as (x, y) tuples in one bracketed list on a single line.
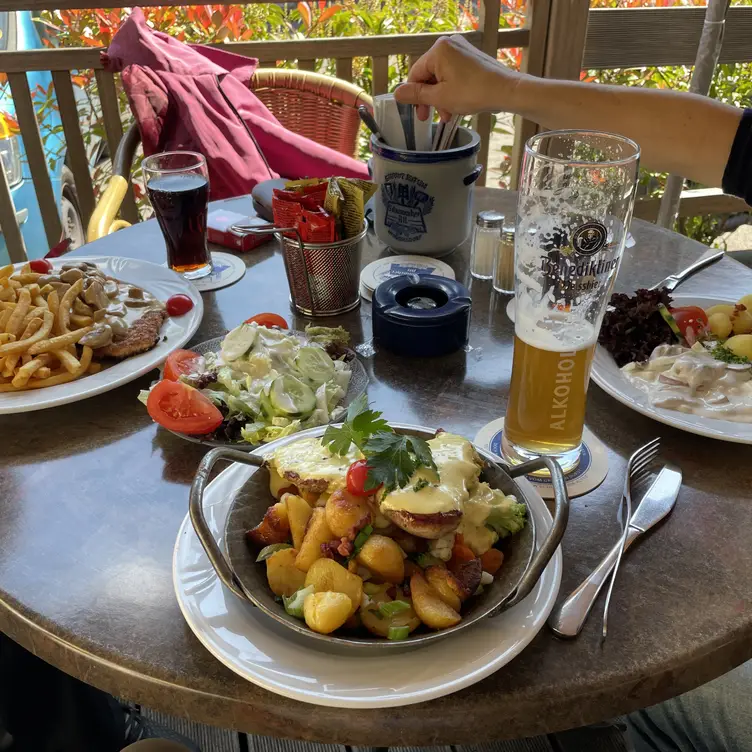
[(559, 38)]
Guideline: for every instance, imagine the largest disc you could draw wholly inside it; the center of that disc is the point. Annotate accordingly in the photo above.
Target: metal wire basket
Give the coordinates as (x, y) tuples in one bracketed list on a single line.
[(324, 278)]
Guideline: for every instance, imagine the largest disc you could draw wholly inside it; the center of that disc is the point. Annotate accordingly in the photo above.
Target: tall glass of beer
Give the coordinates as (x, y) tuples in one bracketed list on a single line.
[(575, 205)]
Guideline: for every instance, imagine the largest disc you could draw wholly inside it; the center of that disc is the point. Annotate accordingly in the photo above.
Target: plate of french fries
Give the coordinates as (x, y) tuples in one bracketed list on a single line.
[(43, 361)]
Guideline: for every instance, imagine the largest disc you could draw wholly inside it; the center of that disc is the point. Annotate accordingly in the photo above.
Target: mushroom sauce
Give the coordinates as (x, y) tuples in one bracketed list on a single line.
[(693, 381)]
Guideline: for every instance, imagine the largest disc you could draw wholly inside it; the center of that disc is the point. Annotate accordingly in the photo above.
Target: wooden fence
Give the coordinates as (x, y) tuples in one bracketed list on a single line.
[(559, 37)]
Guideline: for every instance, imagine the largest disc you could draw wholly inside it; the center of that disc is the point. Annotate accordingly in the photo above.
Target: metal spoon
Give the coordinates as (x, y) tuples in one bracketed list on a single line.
[(371, 124)]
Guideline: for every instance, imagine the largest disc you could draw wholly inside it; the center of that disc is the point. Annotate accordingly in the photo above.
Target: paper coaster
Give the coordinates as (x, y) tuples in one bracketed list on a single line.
[(395, 266), (589, 474), (227, 270)]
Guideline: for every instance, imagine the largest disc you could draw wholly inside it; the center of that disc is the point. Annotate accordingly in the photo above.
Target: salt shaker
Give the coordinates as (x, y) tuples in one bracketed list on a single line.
[(486, 237), (503, 276)]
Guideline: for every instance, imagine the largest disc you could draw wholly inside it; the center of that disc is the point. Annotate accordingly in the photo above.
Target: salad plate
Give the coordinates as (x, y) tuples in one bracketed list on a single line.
[(263, 652), (609, 377)]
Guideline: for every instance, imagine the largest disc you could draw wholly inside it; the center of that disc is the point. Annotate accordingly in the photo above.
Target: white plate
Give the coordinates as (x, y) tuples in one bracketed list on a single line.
[(160, 282), (607, 375), (259, 650)]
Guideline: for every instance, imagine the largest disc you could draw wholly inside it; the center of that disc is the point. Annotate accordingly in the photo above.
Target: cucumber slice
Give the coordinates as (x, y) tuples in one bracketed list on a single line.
[(670, 320), (290, 396), (314, 364), (238, 342)]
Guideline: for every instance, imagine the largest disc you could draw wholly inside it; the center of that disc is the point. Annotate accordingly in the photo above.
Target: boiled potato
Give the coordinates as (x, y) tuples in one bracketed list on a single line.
[(720, 325), (740, 344), (298, 513), (327, 576), (283, 576), (742, 321), (727, 309), (326, 611), (378, 624), (746, 301), (317, 532), (274, 528), (384, 558), (446, 585), (346, 513), (429, 607)]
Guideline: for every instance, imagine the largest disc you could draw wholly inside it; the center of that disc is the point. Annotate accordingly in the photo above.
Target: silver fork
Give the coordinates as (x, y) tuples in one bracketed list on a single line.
[(638, 468)]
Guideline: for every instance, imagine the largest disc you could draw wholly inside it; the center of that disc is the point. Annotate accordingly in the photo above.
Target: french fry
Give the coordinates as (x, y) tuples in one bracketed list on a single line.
[(70, 362), (4, 316), (26, 358), (26, 278), (6, 271), (47, 289), (53, 302), (56, 343), (26, 268), (81, 308), (8, 294), (32, 368), (79, 321), (19, 312), (9, 368), (5, 337), (4, 283), (33, 313), (33, 290), (15, 284), (32, 327), (94, 367), (40, 302), (23, 345), (66, 303), (44, 372)]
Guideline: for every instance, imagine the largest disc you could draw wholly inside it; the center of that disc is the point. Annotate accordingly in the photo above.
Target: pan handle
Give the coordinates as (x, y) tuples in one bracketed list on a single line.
[(553, 539), (216, 557)]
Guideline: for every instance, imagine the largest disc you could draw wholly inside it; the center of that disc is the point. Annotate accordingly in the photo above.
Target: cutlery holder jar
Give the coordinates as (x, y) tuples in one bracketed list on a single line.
[(423, 203)]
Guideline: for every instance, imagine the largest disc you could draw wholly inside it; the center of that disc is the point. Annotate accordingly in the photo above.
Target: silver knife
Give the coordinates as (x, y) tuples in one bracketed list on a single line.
[(567, 620), (675, 279)]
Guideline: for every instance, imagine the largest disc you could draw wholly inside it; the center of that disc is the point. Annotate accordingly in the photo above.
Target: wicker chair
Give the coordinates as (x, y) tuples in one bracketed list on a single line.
[(318, 107)]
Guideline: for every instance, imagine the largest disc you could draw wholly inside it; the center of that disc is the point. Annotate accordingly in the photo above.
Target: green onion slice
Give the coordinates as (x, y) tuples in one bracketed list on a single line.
[(392, 608), (398, 633), (267, 551)]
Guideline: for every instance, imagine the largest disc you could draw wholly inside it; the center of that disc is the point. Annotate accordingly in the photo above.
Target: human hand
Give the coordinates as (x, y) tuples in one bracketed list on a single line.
[(458, 79)]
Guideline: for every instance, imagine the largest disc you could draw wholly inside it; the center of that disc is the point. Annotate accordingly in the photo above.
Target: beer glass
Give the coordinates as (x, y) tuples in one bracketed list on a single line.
[(575, 205), (177, 183)]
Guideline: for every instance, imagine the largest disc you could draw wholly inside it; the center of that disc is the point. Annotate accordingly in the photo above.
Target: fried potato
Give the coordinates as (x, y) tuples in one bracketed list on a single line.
[(7, 294), (77, 320), (378, 624), (6, 271), (317, 532), (283, 576), (30, 369), (327, 611), (326, 575), (26, 278), (429, 607), (23, 345), (53, 302), (15, 322), (66, 303), (346, 513), (384, 558), (298, 514), (5, 338), (70, 362), (446, 585), (274, 528), (59, 342)]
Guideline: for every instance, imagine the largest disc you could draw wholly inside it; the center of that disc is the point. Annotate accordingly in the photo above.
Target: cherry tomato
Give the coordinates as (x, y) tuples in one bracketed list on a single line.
[(40, 266), (182, 408), (268, 320), (690, 318), (178, 304), (357, 474), (182, 363)]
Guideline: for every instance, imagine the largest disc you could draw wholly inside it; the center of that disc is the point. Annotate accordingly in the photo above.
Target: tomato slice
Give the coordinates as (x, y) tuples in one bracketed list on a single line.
[(40, 266), (357, 476), (178, 304), (268, 320), (179, 407), (183, 363), (691, 320)]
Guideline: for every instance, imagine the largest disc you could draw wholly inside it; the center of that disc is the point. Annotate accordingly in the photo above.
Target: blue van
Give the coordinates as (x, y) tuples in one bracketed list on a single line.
[(19, 31)]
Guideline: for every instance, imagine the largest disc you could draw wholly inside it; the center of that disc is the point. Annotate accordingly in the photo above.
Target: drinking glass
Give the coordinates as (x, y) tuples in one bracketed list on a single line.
[(177, 183), (575, 205)]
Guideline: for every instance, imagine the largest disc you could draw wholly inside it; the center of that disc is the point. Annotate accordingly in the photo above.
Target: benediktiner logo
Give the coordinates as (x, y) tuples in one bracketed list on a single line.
[(589, 238)]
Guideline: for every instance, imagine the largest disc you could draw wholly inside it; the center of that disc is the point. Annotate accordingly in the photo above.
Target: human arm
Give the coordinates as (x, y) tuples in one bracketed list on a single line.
[(677, 132)]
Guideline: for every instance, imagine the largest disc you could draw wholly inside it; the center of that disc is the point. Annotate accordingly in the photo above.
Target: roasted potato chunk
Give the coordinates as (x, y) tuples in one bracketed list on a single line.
[(317, 532), (274, 528), (327, 576), (326, 611), (298, 514), (378, 624), (446, 585), (346, 514), (429, 607), (384, 558), (283, 576)]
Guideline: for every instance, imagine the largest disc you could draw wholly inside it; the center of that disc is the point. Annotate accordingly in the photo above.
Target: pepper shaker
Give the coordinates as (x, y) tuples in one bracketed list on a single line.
[(503, 277), (486, 238)]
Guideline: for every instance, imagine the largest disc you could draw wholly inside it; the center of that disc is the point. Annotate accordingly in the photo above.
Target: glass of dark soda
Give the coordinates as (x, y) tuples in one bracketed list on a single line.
[(178, 186)]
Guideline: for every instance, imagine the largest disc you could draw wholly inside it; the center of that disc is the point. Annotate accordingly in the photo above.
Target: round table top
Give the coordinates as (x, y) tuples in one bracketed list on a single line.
[(92, 495)]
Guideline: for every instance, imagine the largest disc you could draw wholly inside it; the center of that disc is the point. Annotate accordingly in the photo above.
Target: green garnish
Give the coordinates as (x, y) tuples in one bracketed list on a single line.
[(360, 540), (670, 320), (398, 633), (371, 588), (427, 560), (721, 352), (392, 608), (392, 458), (294, 603), (268, 551), (421, 484)]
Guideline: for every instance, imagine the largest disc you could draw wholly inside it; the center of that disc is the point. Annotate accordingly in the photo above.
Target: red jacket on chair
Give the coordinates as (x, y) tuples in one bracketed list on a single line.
[(197, 98)]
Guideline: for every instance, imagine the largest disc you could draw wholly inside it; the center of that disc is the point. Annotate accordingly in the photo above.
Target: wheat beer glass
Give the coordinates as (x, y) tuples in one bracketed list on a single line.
[(575, 205)]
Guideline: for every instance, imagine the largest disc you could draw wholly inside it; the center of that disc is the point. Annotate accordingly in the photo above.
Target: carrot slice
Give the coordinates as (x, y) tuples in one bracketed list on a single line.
[(492, 560)]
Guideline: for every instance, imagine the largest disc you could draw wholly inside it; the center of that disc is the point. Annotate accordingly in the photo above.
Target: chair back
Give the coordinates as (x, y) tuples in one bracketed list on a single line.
[(316, 106)]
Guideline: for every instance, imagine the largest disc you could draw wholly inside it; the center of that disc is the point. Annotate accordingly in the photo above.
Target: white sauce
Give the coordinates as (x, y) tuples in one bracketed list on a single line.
[(693, 381)]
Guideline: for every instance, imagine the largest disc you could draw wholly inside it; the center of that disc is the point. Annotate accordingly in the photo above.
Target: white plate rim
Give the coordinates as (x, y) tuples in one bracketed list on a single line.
[(712, 428), (543, 603), (126, 370)]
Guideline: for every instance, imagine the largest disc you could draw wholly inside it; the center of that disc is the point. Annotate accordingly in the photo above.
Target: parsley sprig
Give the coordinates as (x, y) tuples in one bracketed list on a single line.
[(392, 458)]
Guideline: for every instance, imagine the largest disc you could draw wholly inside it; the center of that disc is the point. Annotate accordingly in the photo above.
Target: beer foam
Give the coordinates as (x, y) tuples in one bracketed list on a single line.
[(555, 332)]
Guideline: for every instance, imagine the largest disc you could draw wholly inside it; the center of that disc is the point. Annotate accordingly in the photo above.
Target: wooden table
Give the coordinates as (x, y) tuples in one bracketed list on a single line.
[(92, 494)]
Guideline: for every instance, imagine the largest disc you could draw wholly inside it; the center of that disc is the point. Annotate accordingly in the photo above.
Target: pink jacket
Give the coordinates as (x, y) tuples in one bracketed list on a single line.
[(193, 98)]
